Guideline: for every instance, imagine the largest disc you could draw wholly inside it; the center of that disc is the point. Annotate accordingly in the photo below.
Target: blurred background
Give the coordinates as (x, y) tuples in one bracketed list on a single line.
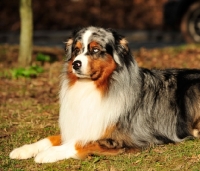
[(149, 24)]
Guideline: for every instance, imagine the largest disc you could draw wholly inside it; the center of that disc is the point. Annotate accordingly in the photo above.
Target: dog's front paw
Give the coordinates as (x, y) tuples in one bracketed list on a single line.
[(30, 150), (56, 153), (50, 155), (24, 152)]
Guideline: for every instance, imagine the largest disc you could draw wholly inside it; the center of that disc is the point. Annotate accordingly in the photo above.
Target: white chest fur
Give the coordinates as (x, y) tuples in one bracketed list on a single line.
[(84, 114)]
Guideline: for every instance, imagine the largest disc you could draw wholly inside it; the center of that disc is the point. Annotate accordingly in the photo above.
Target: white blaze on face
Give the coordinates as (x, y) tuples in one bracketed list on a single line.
[(82, 57)]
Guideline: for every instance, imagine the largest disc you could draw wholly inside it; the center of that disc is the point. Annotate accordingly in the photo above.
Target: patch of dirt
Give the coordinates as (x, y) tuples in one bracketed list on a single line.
[(187, 56)]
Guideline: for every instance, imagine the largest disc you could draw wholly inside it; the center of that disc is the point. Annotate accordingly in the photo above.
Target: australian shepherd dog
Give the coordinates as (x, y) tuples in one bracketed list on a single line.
[(109, 105)]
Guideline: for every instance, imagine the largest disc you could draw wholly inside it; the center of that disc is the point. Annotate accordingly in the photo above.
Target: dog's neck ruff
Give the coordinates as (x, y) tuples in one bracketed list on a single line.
[(84, 113)]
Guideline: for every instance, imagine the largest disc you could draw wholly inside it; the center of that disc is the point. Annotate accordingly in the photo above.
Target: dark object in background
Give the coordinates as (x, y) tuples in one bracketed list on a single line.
[(67, 14), (185, 15)]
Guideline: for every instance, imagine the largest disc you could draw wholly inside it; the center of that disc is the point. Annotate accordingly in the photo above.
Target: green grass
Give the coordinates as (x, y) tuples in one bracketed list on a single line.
[(29, 111)]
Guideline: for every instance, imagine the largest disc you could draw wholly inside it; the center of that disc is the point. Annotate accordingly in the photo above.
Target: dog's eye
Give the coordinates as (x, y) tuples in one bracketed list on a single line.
[(76, 51), (95, 50)]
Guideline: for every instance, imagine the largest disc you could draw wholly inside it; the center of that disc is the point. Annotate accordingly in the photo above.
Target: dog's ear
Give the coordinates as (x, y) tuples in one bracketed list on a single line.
[(68, 48), (119, 39), (122, 52)]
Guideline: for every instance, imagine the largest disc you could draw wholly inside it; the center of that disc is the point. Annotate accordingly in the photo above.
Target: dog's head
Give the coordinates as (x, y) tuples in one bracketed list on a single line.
[(94, 53)]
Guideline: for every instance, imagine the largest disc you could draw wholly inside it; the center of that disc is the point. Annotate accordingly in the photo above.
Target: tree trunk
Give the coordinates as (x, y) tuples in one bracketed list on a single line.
[(26, 34)]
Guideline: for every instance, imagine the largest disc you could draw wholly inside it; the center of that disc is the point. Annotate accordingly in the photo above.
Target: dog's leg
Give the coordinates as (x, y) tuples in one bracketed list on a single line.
[(56, 153), (196, 133), (96, 148), (74, 150), (31, 150), (196, 128)]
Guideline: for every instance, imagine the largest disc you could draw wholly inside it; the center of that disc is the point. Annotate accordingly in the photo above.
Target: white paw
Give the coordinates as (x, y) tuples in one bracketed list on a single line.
[(49, 156), (24, 152), (56, 153), (30, 150)]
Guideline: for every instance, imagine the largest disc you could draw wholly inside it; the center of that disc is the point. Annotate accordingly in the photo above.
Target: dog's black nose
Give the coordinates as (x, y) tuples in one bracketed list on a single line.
[(76, 64)]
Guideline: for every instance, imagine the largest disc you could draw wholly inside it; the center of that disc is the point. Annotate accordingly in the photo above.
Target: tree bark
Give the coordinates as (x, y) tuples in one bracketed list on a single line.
[(26, 34)]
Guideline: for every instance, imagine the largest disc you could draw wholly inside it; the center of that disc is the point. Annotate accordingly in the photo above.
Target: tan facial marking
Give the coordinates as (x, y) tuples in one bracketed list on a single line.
[(78, 45), (94, 44)]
